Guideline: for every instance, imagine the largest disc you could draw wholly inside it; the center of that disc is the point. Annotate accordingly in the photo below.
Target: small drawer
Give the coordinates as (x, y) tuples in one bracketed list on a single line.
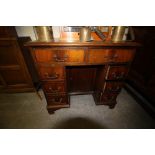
[(107, 98), (52, 73), (122, 55), (110, 55), (59, 55), (60, 99), (53, 87), (116, 72), (99, 55), (112, 87)]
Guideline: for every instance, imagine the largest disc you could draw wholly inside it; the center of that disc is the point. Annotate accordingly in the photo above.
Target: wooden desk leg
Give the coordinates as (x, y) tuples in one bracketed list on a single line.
[(112, 106), (50, 111)]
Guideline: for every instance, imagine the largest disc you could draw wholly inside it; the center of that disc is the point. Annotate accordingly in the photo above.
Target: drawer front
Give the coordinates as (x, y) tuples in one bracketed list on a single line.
[(112, 87), (98, 55), (52, 73), (53, 87), (50, 55), (122, 55), (116, 72), (60, 99), (108, 98), (110, 55)]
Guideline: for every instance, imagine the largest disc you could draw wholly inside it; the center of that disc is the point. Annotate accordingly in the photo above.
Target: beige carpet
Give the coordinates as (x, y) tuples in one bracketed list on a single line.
[(26, 110)]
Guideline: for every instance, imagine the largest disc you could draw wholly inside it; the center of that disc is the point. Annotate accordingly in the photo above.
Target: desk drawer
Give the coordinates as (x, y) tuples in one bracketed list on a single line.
[(116, 72), (52, 73), (112, 87), (110, 55), (53, 87), (122, 55), (60, 99), (51, 55), (98, 55), (108, 98)]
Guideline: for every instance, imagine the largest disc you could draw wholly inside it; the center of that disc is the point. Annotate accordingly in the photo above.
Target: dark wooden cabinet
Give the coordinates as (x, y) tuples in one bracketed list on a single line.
[(80, 79), (75, 68), (14, 74), (142, 73), (8, 32)]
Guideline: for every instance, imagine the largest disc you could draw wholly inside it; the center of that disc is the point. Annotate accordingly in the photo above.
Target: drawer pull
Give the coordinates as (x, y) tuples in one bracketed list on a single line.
[(114, 89), (111, 58), (60, 59), (54, 76), (118, 76), (57, 102), (54, 91)]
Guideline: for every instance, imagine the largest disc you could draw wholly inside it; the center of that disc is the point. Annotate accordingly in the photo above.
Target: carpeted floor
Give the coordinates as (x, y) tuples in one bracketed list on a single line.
[(26, 110)]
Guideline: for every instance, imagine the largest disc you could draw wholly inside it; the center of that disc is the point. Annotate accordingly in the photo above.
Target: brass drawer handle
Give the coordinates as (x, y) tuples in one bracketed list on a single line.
[(54, 76), (118, 76), (111, 58), (57, 102), (114, 89), (60, 59), (54, 91)]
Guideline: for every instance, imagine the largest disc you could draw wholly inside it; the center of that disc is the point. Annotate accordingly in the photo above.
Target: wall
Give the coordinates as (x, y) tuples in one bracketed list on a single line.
[(29, 31), (26, 31)]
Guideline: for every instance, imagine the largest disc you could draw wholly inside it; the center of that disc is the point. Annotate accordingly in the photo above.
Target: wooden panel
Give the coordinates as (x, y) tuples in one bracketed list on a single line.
[(51, 73), (13, 70), (50, 55), (112, 87), (110, 55), (7, 31), (14, 77), (100, 77), (1, 83), (99, 55), (56, 43), (116, 72), (8, 53), (53, 87), (81, 79), (28, 58), (123, 55)]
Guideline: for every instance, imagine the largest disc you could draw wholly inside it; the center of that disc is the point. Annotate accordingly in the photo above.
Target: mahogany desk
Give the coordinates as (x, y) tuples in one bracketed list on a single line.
[(71, 68)]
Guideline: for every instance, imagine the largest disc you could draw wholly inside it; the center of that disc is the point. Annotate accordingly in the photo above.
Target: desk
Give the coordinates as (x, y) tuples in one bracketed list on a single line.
[(72, 68)]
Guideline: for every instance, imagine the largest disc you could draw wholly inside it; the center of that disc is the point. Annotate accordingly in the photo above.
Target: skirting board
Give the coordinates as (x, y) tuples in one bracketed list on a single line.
[(141, 100)]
